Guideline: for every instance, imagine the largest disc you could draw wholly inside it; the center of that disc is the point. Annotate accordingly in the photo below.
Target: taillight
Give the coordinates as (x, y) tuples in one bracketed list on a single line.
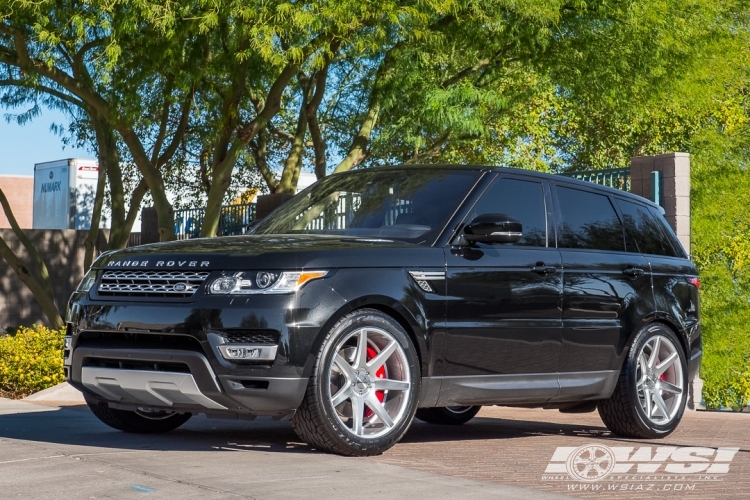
[(696, 283)]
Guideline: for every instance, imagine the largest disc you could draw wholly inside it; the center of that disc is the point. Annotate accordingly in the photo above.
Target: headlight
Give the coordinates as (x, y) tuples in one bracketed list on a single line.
[(88, 281), (251, 282)]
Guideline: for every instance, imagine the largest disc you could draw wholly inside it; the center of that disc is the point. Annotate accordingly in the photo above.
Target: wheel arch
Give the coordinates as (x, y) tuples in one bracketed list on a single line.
[(385, 305), (664, 321)]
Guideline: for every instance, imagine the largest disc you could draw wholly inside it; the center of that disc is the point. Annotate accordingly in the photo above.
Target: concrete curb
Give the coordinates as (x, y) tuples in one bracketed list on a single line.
[(61, 395)]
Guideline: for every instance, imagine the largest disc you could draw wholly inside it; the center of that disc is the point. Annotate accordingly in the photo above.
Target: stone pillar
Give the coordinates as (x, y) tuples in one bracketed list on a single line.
[(675, 199), (675, 188), (267, 203), (149, 226)]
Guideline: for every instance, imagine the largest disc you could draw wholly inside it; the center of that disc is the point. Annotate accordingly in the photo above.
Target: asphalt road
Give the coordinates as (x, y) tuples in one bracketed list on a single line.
[(66, 453)]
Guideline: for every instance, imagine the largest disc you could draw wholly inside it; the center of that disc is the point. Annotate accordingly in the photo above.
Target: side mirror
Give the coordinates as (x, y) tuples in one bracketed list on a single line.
[(494, 228)]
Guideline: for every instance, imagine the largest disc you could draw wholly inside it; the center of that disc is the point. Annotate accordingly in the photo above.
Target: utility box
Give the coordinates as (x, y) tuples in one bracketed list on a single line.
[(64, 192)]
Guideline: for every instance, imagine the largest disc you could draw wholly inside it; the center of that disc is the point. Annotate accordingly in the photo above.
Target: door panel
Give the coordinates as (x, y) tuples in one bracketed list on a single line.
[(606, 292), (504, 316), (601, 307)]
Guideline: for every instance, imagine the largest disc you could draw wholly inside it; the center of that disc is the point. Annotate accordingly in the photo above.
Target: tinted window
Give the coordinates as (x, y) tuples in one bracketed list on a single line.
[(589, 221), (649, 230), (523, 200), (411, 205)]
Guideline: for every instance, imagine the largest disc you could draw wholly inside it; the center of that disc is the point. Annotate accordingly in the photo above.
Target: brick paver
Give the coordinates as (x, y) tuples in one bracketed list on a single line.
[(514, 446)]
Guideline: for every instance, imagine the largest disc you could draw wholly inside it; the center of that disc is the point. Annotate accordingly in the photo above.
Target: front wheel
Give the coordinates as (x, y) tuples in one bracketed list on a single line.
[(363, 392), (141, 421), (450, 415), (650, 396)]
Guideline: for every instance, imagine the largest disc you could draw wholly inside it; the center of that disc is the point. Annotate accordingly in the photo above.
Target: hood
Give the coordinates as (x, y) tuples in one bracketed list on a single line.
[(282, 252)]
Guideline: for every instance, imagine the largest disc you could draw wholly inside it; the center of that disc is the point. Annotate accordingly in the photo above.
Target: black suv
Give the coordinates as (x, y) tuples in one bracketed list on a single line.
[(379, 295)]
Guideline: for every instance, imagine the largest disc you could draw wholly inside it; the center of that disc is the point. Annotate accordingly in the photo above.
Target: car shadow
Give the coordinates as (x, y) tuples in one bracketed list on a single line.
[(78, 427)]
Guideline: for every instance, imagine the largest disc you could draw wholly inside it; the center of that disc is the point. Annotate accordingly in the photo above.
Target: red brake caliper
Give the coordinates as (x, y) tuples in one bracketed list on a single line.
[(379, 374)]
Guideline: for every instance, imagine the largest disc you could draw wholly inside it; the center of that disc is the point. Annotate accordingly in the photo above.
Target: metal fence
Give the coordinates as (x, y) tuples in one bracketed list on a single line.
[(618, 178), (338, 215), (233, 220)]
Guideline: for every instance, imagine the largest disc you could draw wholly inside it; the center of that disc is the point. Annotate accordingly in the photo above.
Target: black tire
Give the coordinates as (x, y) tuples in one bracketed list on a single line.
[(134, 422), (622, 413), (317, 421), (452, 415)]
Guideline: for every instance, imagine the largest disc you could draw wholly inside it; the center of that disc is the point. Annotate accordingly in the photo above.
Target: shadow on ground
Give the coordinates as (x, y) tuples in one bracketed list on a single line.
[(77, 426)]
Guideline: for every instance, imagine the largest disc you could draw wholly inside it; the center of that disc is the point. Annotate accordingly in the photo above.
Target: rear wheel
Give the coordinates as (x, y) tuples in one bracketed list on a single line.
[(363, 392), (140, 421), (450, 415), (650, 396)]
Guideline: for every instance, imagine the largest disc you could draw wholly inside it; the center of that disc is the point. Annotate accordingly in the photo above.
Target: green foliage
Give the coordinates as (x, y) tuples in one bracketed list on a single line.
[(721, 250), (31, 360)]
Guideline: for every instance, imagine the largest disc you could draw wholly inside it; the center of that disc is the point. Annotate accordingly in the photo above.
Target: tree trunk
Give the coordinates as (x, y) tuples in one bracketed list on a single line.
[(361, 141), (96, 216), (293, 164), (222, 178)]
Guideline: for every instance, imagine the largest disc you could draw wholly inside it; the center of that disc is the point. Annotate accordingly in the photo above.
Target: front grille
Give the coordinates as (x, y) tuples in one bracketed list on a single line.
[(251, 336), (175, 284)]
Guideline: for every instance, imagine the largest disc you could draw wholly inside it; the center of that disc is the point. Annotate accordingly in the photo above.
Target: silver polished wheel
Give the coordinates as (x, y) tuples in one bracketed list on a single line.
[(369, 382), (659, 380)]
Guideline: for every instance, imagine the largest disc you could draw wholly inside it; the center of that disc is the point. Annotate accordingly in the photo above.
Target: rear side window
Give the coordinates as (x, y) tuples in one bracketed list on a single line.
[(523, 200), (589, 221), (649, 230)]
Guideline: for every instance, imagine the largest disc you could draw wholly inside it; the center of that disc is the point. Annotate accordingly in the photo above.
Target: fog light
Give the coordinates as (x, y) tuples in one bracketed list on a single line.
[(242, 352), (66, 343), (248, 352)]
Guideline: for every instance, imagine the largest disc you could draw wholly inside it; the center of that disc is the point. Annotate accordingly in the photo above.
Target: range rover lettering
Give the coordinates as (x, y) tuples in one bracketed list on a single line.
[(377, 296)]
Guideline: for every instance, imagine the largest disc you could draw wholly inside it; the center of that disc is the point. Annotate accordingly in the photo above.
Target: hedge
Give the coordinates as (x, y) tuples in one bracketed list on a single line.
[(31, 359)]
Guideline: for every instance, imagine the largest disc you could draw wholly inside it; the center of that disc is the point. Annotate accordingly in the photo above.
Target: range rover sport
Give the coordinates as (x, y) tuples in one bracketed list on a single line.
[(377, 296)]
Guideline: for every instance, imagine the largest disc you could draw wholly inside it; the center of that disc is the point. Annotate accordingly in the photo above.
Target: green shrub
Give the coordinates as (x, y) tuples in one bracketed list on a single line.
[(30, 360)]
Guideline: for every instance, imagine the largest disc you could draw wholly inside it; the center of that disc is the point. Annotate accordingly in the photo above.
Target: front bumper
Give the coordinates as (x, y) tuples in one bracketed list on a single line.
[(166, 355)]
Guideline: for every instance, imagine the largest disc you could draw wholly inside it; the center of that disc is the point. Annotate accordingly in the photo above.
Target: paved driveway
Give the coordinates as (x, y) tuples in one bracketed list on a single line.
[(48, 452)]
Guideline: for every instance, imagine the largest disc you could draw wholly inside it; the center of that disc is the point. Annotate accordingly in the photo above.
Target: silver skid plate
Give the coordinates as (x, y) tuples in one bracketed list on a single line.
[(147, 387)]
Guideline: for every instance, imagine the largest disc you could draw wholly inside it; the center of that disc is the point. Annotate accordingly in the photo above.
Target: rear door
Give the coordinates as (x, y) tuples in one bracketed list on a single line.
[(606, 292), (675, 297), (504, 320)]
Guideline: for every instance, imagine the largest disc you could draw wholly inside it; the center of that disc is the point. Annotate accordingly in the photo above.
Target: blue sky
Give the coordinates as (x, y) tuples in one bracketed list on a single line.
[(23, 146)]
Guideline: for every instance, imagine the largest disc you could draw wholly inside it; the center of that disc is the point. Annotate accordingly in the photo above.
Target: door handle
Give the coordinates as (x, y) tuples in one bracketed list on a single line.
[(633, 271), (544, 269)]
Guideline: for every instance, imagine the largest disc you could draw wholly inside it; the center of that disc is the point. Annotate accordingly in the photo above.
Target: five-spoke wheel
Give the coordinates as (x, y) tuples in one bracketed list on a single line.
[(363, 393)]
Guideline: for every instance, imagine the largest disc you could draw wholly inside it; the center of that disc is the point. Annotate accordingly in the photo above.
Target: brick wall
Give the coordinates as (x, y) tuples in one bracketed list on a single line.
[(62, 251), (20, 193)]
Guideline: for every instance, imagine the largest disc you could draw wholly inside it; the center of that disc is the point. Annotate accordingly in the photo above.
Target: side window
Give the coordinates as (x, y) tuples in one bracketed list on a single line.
[(648, 228), (589, 221), (523, 200)]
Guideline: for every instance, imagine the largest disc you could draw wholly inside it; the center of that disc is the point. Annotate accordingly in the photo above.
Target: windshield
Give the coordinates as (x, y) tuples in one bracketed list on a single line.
[(407, 205)]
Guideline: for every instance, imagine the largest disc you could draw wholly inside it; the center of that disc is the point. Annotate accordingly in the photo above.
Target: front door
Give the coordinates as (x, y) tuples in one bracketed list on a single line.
[(503, 315)]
